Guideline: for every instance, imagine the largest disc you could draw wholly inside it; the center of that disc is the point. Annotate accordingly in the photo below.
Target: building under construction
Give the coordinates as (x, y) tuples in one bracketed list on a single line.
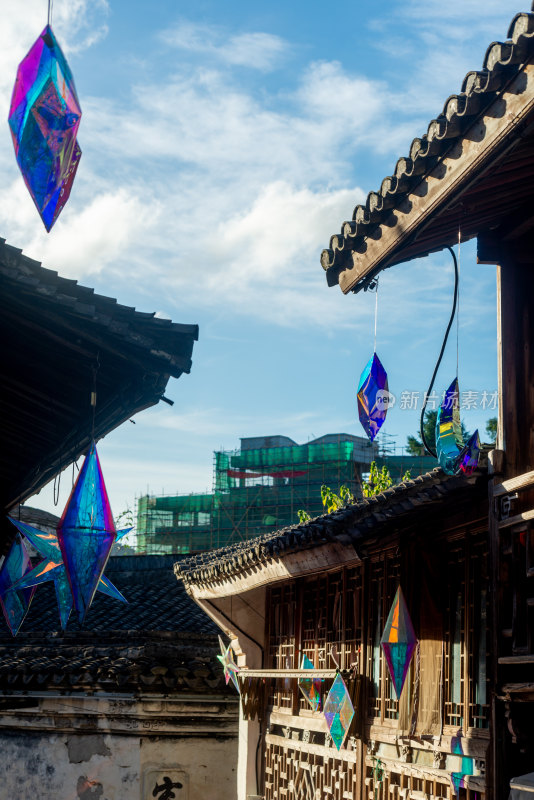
[(260, 488)]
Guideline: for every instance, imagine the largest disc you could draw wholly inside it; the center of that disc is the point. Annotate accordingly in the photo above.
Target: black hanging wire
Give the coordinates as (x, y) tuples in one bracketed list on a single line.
[(449, 326)]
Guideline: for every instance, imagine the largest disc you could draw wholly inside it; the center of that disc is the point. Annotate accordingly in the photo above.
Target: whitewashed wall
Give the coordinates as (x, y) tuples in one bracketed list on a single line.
[(38, 766)]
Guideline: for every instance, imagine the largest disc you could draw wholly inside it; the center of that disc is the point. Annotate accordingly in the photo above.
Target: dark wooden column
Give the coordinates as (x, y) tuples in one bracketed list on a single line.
[(512, 249), (513, 252)]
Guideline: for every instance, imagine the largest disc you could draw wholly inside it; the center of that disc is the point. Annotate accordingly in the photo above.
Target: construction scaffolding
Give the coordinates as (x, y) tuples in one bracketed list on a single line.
[(258, 488)]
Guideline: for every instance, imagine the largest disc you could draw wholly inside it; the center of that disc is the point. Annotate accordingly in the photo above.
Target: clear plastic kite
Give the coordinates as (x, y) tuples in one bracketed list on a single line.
[(44, 118), (310, 687), (338, 711)]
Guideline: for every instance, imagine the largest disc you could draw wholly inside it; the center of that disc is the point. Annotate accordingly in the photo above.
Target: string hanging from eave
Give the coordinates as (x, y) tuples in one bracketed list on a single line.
[(376, 307), (428, 448), (95, 368)]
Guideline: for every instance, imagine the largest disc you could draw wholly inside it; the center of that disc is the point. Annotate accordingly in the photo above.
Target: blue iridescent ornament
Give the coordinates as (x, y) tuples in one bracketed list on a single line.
[(373, 396), (53, 569), (454, 455), (86, 533), (15, 602), (44, 118)]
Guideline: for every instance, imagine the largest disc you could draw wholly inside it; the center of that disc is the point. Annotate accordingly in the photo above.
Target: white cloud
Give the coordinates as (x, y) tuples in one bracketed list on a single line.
[(77, 24), (261, 51), (207, 191)]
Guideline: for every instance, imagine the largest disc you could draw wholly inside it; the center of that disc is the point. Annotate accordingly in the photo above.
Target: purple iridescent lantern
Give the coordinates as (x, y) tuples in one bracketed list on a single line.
[(373, 396), (86, 533), (44, 118)]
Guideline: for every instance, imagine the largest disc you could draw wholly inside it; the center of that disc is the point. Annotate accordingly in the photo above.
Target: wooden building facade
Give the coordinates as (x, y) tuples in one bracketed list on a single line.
[(324, 589), (462, 549)]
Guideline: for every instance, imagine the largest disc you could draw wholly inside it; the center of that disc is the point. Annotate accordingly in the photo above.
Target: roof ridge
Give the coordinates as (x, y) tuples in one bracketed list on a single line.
[(501, 61)]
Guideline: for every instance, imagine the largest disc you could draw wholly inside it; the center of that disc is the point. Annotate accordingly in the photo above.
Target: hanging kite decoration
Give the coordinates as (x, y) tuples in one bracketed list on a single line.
[(310, 687), (53, 569), (398, 642), (338, 711), (15, 602), (373, 395), (454, 456), (230, 667), (44, 118), (75, 558)]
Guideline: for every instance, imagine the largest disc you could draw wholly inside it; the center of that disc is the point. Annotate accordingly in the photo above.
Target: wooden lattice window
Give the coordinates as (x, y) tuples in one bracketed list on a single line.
[(385, 781), (282, 641), (466, 681), (295, 773)]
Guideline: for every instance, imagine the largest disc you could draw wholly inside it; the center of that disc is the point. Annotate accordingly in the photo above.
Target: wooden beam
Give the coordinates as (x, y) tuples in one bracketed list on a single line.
[(517, 519), (474, 153), (514, 484), (528, 659), (290, 673)]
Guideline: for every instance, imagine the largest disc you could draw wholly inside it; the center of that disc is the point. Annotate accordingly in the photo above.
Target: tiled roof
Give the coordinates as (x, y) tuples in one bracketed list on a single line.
[(359, 522), (502, 62), (160, 642), (54, 334), (169, 342)]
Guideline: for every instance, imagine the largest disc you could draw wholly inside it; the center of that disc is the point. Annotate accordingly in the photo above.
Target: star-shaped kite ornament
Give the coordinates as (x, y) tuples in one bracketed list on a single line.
[(75, 557), (230, 667), (15, 601), (53, 569)]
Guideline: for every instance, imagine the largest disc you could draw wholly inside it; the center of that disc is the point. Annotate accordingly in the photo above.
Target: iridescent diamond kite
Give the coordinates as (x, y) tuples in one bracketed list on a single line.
[(468, 458), (338, 711), (15, 602), (373, 396), (53, 569), (86, 533), (44, 118), (230, 667), (465, 764), (453, 455), (398, 642), (310, 687)]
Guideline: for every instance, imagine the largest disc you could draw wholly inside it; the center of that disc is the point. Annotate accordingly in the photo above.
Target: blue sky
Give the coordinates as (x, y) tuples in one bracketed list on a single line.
[(223, 143)]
